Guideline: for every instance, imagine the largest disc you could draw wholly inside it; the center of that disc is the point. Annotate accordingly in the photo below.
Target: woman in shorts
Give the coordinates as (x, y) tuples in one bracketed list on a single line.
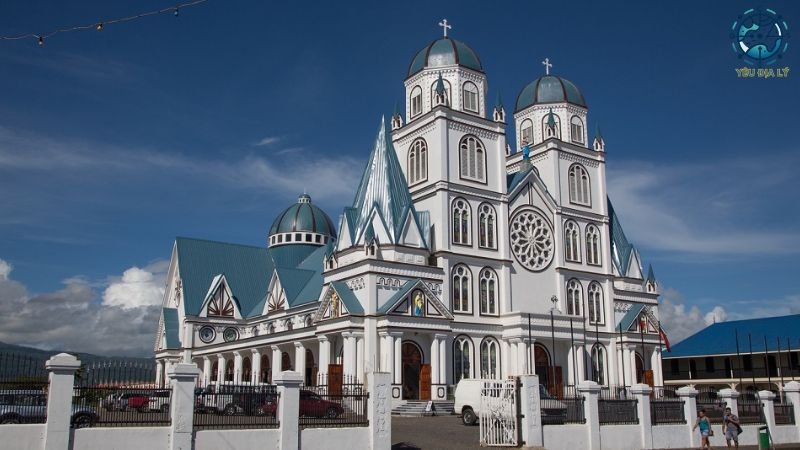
[(704, 424)]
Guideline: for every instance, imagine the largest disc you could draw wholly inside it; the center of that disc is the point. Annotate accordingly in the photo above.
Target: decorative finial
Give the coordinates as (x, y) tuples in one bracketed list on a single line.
[(444, 26), (526, 152), (547, 66)]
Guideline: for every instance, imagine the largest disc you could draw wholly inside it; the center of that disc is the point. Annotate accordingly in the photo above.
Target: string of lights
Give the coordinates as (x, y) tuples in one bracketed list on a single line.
[(100, 26)]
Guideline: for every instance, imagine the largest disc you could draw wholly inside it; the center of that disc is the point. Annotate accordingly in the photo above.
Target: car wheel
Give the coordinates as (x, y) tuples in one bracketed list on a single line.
[(10, 420), (230, 410), (82, 421), (164, 408), (468, 416), (143, 409), (332, 413)]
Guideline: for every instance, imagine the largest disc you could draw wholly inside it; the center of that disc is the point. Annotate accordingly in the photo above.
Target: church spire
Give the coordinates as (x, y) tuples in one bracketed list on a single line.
[(397, 118), (440, 97), (599, 144), (499, 114)]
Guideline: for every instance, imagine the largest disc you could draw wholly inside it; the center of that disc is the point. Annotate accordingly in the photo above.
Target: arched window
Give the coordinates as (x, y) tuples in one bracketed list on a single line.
[(462, 358), (487, 233), (488, 291), (595, 304), (592, 245), (526, 132), (289, 324), (598, 374), (461, 222), (490, 358), (229, 370), (266, 371), (247, 370), (551, 126), (446, 92), (470, 97), (576, 130), (214, 371), (574, 299), (462, 285), (473, 159), (572, 241), (416, 101), (309, 321), (417, 161), (579, 189)]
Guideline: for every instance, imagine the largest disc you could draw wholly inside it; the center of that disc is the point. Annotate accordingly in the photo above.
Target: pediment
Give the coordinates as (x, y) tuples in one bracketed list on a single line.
[(416, 299)]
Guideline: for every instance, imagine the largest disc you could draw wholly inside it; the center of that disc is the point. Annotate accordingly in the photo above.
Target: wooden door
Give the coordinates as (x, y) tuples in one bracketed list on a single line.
[(425, 382), (558, 383), (648, 377), (335, 376)]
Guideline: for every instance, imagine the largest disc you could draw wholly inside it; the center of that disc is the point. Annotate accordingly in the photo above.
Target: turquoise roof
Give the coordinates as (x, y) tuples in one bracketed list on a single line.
[(404, 290), (348, 298), (303, 216), (624, 248), (445, 52), (651, 274), (171, 327), (549, 89), (630, 317), (720, 338)]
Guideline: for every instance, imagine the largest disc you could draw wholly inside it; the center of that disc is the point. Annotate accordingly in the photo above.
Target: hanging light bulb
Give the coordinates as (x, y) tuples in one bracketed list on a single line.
[(177, 13), (41, 41), (99, 26)]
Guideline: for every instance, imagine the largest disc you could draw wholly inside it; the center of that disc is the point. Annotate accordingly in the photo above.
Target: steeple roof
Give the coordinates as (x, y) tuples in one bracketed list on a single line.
[(621, 248)]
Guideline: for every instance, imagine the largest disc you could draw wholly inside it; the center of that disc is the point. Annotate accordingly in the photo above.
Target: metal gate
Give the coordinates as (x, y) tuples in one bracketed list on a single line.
[(499, 418)]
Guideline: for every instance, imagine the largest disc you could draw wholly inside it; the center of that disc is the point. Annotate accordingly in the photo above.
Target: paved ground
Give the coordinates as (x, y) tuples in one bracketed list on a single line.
[(433, 433)]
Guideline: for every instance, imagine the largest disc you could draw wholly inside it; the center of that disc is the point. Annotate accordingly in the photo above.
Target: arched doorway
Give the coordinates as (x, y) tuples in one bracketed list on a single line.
[(639, 368), (311, 369), (266, 373), (286, 361), (412, 372), (542, 363), (229, 370), (247, 370), (214, 371)]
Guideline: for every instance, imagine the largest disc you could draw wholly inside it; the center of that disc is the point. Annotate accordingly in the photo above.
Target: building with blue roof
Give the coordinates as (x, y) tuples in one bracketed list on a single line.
[(459, 256)]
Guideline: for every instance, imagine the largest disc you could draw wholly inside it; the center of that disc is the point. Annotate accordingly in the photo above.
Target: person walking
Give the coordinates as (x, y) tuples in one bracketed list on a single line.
[(704, 423), (731, 428)]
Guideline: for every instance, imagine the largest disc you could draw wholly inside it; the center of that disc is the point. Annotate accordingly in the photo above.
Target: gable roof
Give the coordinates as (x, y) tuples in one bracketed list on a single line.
[(720, 338), (348, 298), (405, 289), (630, 317), (624, 248), (171, 327)]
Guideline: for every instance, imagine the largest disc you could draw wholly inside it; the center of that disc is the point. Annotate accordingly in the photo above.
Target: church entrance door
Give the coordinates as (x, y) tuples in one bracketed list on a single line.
[(335, 376), (425, 382), (412, 367)]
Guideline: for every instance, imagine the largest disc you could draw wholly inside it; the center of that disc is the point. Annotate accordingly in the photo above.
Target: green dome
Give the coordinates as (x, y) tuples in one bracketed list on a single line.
[(303, 217), (549, 89), (445, 52)]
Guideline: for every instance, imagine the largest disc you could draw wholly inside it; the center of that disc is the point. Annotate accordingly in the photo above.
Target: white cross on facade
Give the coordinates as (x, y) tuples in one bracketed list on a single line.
[(547, 66), (444, 26)]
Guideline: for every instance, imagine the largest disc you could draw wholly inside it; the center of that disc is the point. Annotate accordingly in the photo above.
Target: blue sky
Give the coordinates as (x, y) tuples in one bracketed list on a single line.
[(208, 124)]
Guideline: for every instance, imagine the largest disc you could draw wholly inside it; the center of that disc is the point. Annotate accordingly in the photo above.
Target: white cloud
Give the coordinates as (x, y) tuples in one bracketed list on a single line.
[(680, 320), (5, 270), (137, 287), (269, 140), (73, 318), (717, 314)]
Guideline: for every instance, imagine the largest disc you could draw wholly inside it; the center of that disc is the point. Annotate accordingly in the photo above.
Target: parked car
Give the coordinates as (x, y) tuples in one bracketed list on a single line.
[(468, 402), (232, 399), (123, 401), (311, 404), (159, 401), (30, 406)]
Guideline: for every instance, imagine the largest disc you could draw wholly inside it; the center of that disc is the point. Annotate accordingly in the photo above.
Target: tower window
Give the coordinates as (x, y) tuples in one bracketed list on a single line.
[(526, 131), (446, 92), (416, 101), (576, 130), (595, 303), (462, 285), (574, 294), (417, 162), (470, 97), (487, 234), (592, 245), (571, 241), (488, 292), (461, 222), (579, 189), (473, 159)]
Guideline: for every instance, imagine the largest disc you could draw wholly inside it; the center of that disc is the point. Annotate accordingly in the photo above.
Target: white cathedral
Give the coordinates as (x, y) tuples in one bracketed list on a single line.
[(459, 258)]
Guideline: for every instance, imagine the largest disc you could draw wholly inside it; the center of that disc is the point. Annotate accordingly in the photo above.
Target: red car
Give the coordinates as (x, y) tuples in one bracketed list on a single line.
[(313, 405)]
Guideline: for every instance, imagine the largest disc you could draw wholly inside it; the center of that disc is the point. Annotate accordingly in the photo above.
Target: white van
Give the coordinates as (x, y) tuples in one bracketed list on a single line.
[(468, 401)]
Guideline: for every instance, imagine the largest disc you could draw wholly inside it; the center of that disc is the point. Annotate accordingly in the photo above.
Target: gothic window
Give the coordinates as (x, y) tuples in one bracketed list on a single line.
[(461, 222), (417, 161), (488, 291), (574, 300), (473, 159), (526, 131), (487, 232), (446, 92), (572, 241), (579, 189), (221, 304), (548, 130), (416, 101), (490, 358), (462, 285), (286, 361), (598, 369), (470, 97), (576, 130), (462, 358), (595, 303), (592, 245)]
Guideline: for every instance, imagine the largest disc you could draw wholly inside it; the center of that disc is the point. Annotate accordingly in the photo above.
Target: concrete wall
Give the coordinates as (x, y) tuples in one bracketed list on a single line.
[(565, 437), (671, 436), (334, 438), (120, 438), (620, 437), (236, 439), (22, 437)]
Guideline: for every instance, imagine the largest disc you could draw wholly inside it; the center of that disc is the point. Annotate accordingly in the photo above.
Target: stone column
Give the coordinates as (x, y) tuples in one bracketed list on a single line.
[(183, 378), (614, 376), (324, 357), (288, 415), (206, 370), (506, 364), (655, 364), (379, 410), (398, 358), (255, 366), (300, 359), (220, 368), (62, 369), (591, 393), (160, 373), (731, 399), (387, 348), (531, 423), (237, 367), (792, 391), (277, 361), (580, 359), (360, 357), (571, 366), (443, 360), (689, 396), (641, 392), (435, 361), (348, 353), (522, 357), (767, 399)]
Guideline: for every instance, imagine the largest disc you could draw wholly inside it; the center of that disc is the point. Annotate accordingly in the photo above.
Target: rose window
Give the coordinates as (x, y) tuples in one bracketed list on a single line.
[(531, 240)]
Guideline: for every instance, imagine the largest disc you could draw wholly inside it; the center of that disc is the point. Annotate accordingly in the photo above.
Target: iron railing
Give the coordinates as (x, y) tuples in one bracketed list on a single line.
[(784, 414), (667, 412), (750, 408), (23, 389), (231, 405), (618, 412), (564, 407), (330, 410)]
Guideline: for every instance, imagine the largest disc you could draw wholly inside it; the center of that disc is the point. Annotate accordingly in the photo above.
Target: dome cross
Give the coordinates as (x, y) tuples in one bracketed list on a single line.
[(445, 26), (547, 66)]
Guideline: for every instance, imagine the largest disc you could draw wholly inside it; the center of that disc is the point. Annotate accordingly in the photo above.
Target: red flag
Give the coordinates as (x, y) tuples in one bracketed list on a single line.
[(663, 336)]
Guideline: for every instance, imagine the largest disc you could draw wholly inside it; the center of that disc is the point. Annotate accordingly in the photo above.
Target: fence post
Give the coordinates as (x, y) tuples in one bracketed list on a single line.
[(641, 392), (767, 399), (731, 399), (62, 369), (792, 391), (379, 409), (183, 379), (288, 384), (531, 411), (591, 392), (689, 396)]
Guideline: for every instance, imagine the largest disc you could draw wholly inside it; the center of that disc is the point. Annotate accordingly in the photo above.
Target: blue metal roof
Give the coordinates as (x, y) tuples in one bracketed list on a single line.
[(549, 89), (399, 295), (624, 248), (171, 327), (630, 317), (303, 216), (445, 52), (348, 298), (720, 338)]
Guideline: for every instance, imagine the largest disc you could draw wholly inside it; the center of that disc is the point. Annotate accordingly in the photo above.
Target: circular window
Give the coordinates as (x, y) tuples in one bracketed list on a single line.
[(207, 334), (531, 240), (230, 334)]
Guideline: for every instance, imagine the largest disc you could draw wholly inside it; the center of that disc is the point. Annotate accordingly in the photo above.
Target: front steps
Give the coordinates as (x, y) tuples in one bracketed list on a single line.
[(416, 408)]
